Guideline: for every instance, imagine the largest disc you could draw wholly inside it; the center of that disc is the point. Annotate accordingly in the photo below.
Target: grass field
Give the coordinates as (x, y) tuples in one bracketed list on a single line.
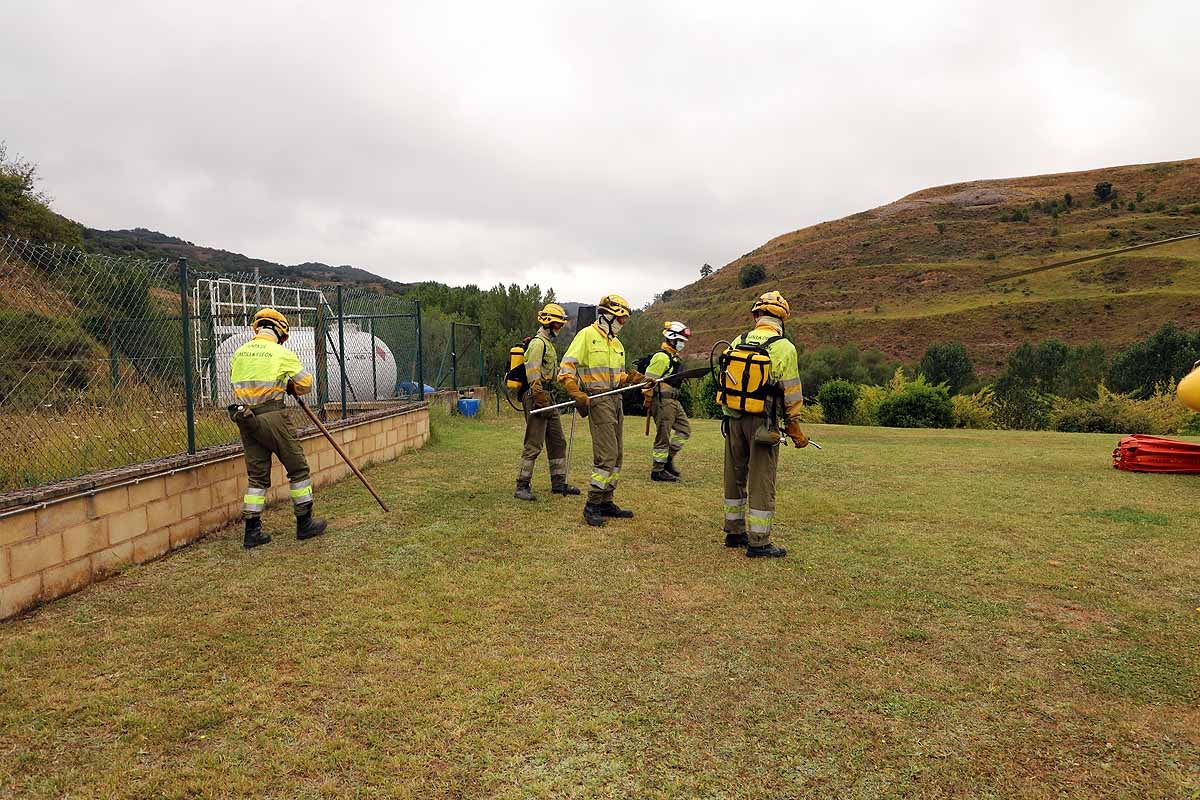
[(963, 614)]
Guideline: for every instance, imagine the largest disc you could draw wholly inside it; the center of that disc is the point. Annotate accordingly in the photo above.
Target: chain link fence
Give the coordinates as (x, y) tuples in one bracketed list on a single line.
[(106, 362)]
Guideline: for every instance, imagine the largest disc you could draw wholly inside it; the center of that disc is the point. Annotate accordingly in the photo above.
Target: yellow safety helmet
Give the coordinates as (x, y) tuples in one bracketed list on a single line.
[(772, 303), (614, 304), (552, 313), (274, 318), (1188, 390)]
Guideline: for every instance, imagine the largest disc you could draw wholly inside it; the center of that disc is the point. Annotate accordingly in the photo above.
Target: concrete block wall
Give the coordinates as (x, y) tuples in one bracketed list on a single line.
[(57, 547)]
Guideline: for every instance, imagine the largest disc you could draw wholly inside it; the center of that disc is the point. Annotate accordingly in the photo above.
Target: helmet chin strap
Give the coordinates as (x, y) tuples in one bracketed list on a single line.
[(608, 323)]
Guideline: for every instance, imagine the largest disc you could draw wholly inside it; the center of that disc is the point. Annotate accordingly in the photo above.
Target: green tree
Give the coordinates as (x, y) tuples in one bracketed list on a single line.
[(25, 210), (949, 364), (1167, 354), (706, 270), (1104, 191), (752, 274)]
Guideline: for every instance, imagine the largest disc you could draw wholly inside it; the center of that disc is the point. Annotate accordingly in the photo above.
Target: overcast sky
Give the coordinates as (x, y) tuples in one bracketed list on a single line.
[(588, 147)]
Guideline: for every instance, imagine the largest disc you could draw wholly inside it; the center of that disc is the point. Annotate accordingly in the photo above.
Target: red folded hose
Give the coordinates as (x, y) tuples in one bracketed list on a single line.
[(1141, 453)]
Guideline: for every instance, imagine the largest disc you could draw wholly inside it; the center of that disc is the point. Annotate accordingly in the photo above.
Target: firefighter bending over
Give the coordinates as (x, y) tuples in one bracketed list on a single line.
[(262, 371)]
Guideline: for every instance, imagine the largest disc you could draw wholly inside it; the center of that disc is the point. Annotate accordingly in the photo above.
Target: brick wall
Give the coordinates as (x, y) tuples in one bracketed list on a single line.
[(60, 545)]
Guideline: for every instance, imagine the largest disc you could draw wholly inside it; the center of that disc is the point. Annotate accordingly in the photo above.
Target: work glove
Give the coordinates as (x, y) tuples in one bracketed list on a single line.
[(540, 398), (633, 378), (795, 434), (648, 402), (575, 393), (291, 388)]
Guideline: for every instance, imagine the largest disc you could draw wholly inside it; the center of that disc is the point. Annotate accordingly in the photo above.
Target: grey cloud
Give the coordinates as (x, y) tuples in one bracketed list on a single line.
[(587, 147)]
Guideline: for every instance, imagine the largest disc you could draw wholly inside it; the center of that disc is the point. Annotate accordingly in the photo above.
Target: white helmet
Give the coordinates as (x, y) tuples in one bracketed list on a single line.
[(676, 334)]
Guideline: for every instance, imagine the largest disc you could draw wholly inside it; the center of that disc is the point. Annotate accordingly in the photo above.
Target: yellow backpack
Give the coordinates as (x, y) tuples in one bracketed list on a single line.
[(515, 379), (743, 383)]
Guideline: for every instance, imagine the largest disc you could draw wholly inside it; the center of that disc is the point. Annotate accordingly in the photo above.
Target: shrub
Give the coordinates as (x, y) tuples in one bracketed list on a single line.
[(1104, 191), (848, 362), (837, 398), (975, 410), (1110, 412), (941, 227), (752, 274), (1022, 409), (917, 405), (700, 398)]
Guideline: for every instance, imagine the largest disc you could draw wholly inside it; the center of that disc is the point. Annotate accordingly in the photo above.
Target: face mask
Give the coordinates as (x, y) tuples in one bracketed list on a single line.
[(679, 344), (550, 331), (616, 326)]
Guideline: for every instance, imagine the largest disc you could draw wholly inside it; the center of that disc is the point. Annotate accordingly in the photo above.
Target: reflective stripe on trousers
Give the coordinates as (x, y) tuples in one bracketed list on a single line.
[(302, 493), (759, 521), (735, 508), (254, 501), (525, 470)]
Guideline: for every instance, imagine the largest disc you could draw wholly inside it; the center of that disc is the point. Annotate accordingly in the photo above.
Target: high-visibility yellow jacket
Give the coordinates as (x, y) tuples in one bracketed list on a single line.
[(785, 368), (540, 359), (663, 364), (260, 370), (595, 360)]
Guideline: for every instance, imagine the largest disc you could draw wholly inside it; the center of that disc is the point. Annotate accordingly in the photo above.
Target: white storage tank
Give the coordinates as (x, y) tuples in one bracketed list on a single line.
[(361, 348)]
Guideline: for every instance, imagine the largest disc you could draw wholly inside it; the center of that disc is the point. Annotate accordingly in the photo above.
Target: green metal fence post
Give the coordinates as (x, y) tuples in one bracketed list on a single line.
[(479, 344), (420, 359), (186, 324), (453, 357), (342, 347)]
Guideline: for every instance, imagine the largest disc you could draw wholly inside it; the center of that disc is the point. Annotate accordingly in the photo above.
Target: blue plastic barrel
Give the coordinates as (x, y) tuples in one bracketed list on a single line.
[(468, 406)]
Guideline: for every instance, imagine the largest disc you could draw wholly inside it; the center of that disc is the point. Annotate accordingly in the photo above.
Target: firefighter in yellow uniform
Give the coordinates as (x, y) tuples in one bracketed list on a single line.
[(752, 440), (262, 372), (595, 363), (672, 428), (541, 361)]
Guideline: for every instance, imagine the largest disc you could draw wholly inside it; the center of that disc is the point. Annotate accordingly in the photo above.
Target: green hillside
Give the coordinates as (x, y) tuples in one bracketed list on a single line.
[(916, 271)]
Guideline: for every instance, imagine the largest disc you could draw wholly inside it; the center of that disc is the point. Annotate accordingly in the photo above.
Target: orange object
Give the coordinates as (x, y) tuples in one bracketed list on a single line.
[(1143, 453)]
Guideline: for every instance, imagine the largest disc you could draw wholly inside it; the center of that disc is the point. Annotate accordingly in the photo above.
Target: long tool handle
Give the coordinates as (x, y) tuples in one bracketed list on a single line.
[(341, 452), (593, 397), (570, 443)]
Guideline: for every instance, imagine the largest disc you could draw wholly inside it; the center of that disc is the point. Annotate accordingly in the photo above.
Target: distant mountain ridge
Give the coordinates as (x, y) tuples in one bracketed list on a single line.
[(144, 243)]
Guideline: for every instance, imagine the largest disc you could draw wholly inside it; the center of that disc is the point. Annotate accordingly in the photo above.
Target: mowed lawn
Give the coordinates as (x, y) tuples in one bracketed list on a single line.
[(962, 614)]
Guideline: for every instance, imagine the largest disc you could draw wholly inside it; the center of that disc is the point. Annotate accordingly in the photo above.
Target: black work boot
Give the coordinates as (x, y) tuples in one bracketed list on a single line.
[(610, 509), (254, 533), (592, 515), (660, 473), (767, 550), (671, 468), (562, 487), (736, 540), (307, 527), (523, 491)]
